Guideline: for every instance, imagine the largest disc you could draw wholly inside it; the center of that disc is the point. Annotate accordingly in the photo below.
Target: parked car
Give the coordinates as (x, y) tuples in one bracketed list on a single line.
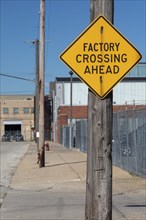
[(6, 137)]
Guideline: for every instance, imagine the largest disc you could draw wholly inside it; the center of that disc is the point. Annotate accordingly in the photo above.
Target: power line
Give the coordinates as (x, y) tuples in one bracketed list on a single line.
[(16, 77)]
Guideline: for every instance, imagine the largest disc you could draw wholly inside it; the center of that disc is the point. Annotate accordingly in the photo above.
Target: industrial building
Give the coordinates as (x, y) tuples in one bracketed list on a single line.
[(17, 115), (130, 91)]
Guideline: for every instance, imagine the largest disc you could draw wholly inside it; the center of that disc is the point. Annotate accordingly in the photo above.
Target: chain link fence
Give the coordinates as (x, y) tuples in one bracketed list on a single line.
[(65, 136), (81, 135), (129, 139)]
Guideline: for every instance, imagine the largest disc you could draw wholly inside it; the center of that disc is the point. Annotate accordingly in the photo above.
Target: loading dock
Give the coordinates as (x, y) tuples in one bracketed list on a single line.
[(12, 126)]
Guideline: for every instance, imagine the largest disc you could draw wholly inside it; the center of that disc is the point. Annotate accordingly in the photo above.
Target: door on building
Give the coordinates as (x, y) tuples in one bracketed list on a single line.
[(12, 128)]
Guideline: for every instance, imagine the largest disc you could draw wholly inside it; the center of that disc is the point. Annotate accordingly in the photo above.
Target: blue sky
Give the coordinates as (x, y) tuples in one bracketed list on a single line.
[(65, 20)]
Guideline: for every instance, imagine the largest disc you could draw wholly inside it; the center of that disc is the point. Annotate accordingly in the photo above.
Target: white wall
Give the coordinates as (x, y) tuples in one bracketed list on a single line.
[(122, 93), (79, 94), (129, 92)]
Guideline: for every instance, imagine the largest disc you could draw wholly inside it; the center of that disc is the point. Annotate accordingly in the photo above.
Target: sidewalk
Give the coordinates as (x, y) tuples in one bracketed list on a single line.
[(57, 191), (64, 169)]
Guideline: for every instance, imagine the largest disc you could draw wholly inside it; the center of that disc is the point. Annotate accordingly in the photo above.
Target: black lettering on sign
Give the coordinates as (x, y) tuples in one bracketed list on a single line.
[(115, 69), (78, 58), (101, 69), (87, 70), (108, 70), (94, 47)]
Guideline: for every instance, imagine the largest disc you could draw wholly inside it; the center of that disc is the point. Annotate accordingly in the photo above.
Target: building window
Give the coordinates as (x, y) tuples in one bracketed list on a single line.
[(5, 111), (26, 110), (15, 110)]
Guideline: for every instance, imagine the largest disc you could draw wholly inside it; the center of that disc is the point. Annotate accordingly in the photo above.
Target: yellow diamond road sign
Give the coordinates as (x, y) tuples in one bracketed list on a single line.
[(101, 56)]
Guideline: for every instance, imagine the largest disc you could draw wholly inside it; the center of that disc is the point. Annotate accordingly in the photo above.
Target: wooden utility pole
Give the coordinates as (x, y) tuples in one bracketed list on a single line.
[(37, 93), (36, 117), (99, 152), (41, 83)]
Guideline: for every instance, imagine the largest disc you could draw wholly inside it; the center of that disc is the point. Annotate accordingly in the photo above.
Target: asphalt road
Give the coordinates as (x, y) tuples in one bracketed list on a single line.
[(11, 154)]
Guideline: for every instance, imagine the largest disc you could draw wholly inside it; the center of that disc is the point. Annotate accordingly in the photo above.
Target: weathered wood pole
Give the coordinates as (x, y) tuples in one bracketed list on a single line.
[(41, 86), (37, 93), (99, 152)]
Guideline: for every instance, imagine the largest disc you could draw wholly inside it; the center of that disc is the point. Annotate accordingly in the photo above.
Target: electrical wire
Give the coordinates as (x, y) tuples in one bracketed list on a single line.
[(16, 77)]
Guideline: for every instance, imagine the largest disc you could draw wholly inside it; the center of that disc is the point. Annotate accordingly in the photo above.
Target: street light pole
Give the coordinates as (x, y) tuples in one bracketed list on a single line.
[(71, 130)]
